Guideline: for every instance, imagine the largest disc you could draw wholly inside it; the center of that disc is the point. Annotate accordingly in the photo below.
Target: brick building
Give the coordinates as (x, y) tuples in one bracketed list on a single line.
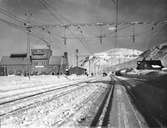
[(41, 62), (14, 64)]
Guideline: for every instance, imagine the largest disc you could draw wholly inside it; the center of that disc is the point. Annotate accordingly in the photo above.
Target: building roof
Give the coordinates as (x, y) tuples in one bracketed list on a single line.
[(6, 60), (18, 55)]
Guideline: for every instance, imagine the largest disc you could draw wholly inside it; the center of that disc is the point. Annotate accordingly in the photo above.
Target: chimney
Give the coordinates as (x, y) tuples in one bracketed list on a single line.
[(66, 57)]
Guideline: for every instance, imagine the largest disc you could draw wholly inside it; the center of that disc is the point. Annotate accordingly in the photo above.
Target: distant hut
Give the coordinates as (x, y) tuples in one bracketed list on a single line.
[(149, 64)]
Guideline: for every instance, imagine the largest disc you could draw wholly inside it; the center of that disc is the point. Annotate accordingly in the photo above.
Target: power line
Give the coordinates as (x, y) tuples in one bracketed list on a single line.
[(80, 41), (65, 39), (12, 16), (55, 10), (18, 19), (44, 3), (22, 29)]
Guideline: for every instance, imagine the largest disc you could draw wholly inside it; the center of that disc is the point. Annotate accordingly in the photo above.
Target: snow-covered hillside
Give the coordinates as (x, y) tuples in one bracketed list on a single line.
[(119, 55), (109, 58), (157, 52)]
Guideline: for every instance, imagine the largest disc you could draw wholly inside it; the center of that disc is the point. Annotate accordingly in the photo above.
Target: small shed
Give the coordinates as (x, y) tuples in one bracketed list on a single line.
[(149, 64)]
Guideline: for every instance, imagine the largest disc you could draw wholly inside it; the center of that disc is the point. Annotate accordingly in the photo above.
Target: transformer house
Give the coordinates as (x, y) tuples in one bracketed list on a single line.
[(149, 64)]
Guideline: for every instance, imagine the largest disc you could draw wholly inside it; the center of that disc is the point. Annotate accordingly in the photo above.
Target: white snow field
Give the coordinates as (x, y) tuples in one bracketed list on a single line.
[(8, 83), (52, 113), (11, 85)]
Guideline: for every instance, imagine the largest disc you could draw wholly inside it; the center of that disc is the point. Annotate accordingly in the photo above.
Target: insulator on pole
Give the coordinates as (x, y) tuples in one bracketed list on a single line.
[(101, 40), (65, 40)]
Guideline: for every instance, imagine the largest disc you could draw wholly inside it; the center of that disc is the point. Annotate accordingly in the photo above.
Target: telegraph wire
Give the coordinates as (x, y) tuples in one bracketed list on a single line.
[(50, 11), (55, 10), (23, 8), (22, 29), (12, 16), (43, 29), (46, 5)]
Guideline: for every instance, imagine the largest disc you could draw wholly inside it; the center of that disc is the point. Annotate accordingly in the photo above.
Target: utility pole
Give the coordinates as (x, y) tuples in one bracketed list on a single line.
[(77, 51), (89, 67), (116, 23), (65, 37), (133, 37), (101, 36), (28, 29)]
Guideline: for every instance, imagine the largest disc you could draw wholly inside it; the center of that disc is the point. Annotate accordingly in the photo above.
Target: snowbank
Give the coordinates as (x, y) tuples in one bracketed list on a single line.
[(18, 82)]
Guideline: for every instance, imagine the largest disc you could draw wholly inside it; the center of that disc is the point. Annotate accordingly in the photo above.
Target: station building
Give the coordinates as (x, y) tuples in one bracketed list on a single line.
[(41, 62)]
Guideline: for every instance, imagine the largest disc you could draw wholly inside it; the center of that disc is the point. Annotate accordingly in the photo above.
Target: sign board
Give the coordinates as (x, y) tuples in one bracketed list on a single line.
[(38, 54)]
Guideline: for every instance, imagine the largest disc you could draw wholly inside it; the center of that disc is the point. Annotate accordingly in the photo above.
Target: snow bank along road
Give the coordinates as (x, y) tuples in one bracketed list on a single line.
[(119, 111), (149, 98)]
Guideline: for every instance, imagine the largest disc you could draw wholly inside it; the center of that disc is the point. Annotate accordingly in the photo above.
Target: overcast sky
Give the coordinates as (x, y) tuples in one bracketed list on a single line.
[(13, 40)]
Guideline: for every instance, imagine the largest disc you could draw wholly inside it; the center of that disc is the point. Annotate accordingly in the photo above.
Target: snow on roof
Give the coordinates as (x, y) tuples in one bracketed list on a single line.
[(163, 45)]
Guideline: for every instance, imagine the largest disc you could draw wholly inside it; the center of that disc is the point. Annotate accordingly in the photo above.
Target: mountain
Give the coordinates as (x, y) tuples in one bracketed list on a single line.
[(110, 58), (119, 55), (156, 53), (115, 59)]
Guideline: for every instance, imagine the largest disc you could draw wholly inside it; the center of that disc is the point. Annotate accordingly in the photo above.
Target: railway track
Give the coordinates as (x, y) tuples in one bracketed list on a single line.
[(102, 115), (82, 109), (82, 117), (26, 102), (86, 100), (7, 96), (102, 101), (112, 112)]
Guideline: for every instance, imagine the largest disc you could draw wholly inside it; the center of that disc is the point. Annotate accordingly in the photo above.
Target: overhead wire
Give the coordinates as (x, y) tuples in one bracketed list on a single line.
[(22, 29), (81, 42), (12, 16), (33, 24), (47, 6), (56, 11), (20, 20), (11, 24), (20, 6)]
